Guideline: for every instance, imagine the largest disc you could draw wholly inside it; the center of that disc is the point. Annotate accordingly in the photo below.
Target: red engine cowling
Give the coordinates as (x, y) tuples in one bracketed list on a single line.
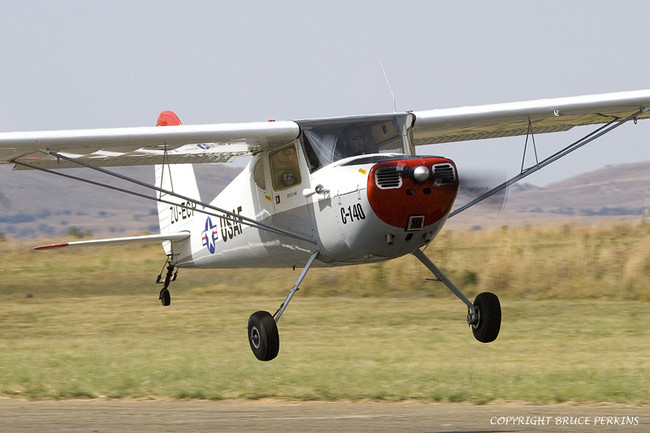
[(412, 193)]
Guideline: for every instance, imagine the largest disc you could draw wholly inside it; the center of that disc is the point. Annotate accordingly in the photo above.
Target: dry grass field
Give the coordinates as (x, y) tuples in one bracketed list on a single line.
[(86, 323)]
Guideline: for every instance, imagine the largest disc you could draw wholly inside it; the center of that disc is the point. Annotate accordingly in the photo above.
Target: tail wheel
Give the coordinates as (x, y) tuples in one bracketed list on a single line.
[(488, 311), (263, 336), (165, 297)]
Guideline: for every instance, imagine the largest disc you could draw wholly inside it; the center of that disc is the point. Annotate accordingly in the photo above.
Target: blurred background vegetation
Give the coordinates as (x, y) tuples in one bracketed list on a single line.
[(566, 261)]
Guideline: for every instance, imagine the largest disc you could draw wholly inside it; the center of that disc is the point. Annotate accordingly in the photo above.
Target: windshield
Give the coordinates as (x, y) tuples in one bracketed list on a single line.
[(326, 141)]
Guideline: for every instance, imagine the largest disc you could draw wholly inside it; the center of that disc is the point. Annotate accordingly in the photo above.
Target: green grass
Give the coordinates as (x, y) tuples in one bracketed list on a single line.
[(331, 349), (87, 324)]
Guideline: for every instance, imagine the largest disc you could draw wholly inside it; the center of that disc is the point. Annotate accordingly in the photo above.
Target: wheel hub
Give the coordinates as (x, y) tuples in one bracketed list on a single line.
[(255, 338), (474, 318)]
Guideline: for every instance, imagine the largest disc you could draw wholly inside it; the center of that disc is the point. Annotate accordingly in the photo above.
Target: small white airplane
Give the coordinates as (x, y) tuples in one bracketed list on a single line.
[(317, 192)]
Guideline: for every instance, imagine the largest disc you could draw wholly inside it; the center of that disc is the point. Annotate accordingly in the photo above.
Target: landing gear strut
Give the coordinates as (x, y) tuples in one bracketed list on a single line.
[(484, 315), (263, 333), (164, 296)]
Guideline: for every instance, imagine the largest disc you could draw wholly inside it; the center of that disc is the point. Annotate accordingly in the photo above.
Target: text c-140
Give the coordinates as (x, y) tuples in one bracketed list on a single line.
[(352, 213)]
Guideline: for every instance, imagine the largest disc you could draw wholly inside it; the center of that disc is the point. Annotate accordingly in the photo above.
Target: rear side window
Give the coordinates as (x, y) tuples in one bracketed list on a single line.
[(285, 170)]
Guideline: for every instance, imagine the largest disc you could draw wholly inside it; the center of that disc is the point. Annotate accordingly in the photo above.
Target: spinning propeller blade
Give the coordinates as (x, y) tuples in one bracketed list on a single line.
[(478, 184)]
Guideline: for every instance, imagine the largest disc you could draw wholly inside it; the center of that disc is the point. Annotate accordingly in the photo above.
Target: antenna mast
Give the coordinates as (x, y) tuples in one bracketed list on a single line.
[(390, 89)]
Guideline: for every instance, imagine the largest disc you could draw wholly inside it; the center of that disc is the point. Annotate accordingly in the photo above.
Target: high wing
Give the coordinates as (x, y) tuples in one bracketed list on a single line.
[(144, 145), (520, 118), (223, 142)]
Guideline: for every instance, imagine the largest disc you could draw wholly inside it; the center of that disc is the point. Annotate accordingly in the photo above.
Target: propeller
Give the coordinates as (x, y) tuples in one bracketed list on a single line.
[(487, 188)]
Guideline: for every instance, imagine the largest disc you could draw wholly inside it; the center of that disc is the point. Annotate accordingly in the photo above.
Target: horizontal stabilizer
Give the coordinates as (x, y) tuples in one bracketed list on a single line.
[(146, 239)]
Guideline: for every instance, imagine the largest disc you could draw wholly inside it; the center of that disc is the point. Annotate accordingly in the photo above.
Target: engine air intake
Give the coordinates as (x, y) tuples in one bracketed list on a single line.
[(415, 223), (388, 178), (443, 174)]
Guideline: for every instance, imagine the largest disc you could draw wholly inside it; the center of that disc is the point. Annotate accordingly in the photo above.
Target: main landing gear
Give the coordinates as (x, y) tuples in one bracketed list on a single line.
[(484, 314), (263, 333), (164, 296)]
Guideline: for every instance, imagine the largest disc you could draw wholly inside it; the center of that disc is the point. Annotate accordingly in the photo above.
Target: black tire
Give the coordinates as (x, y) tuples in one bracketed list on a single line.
[(263, 336), (489, 317), (165, 297)]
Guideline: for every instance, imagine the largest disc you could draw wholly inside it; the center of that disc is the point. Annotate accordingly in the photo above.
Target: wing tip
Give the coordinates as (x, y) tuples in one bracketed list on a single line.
[(42, 247)]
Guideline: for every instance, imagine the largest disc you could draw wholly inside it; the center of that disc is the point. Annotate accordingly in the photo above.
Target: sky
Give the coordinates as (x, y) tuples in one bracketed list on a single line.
[(86, 64)]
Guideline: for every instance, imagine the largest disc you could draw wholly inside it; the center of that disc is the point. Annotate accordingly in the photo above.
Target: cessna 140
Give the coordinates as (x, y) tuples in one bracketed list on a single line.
[(316, 192)]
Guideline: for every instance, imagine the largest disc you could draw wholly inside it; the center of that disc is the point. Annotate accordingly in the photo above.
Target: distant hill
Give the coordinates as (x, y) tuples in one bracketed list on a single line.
[(613, 192), (34, 204)]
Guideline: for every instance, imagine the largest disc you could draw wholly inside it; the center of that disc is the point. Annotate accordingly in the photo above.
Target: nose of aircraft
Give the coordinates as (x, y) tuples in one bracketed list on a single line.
[(412, 193)]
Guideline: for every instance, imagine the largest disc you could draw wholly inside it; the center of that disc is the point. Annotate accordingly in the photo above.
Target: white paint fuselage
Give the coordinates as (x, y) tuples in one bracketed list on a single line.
[(350, 220)]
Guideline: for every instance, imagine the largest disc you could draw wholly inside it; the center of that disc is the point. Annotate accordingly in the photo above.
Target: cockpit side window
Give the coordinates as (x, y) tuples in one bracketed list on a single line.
[(285, 169)]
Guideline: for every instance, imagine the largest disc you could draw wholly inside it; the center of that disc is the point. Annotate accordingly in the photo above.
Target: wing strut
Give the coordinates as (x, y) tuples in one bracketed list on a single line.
[(226, 214), (558, 155), (530, 134)]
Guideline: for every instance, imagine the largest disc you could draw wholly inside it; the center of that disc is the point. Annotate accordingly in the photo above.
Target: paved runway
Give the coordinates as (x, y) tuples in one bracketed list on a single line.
[(275, 416)]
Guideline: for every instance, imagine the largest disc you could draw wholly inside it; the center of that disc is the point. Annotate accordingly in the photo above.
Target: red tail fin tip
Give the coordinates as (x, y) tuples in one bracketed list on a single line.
[(168, 118)]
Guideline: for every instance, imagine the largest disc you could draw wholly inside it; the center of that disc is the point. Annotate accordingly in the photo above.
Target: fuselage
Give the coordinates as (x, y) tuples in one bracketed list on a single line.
[(372, 206)]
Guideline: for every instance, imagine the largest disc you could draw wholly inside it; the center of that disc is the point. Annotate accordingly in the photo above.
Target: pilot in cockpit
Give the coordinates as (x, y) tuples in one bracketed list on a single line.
[(352, 142)]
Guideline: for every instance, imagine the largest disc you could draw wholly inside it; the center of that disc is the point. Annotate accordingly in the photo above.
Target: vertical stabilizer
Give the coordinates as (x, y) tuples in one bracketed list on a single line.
[(178, 178)]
